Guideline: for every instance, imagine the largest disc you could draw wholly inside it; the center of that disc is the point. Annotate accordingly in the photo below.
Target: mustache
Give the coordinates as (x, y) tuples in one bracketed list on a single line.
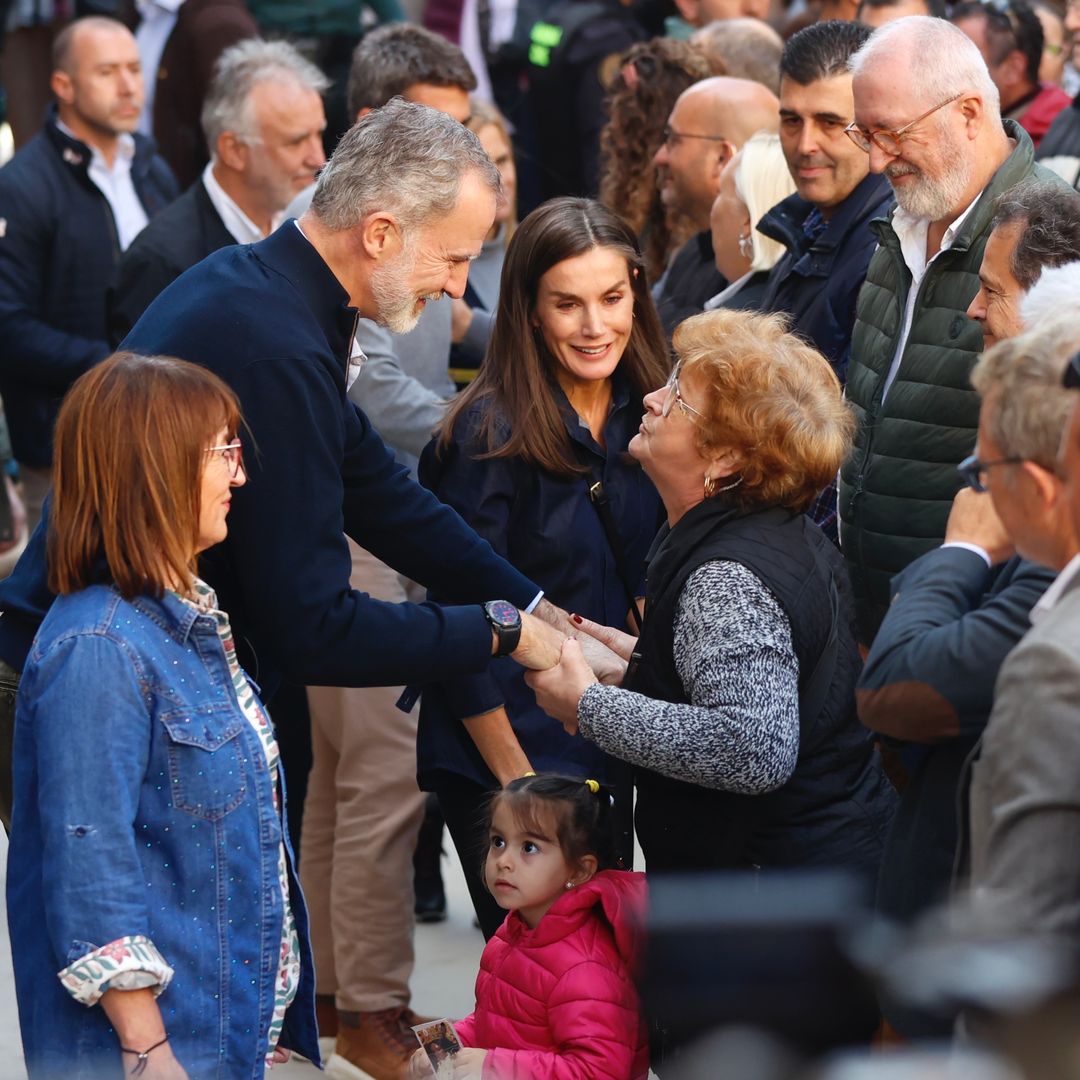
[(899, 168), (812, 163)]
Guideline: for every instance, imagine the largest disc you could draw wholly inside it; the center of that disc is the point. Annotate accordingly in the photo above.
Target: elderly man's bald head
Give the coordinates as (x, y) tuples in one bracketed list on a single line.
[(710, 121)]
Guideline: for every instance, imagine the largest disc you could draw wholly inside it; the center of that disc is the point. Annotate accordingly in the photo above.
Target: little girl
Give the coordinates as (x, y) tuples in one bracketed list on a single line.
[(555, 997)]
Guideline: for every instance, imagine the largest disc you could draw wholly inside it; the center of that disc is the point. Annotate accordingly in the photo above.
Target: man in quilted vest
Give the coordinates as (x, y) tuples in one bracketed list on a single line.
[(928, 115)]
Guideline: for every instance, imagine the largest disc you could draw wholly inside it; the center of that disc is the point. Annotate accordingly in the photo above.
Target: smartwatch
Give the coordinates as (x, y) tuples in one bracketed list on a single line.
[(505, 620)]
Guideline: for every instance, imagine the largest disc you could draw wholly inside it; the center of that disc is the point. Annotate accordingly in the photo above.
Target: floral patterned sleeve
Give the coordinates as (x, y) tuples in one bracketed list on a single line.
[(128, 963)]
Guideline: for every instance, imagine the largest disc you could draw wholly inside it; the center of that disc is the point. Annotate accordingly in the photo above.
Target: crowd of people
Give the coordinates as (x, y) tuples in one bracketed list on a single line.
[(566, 424)]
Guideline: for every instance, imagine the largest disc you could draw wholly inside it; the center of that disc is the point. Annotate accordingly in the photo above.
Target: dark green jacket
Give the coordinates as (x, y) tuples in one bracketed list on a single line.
[(897, 486)]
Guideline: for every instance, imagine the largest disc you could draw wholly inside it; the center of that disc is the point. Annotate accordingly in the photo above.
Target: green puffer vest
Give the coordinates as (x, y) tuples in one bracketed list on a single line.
[(897, 486)]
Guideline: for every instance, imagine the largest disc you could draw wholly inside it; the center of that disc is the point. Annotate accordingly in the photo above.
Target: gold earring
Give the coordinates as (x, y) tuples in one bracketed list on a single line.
[(710, 486)]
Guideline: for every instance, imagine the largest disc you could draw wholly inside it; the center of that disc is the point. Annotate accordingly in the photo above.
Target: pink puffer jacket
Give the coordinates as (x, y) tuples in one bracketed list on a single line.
[(559, 1002)]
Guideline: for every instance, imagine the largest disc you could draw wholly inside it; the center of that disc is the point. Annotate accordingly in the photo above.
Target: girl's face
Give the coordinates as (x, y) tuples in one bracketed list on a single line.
[(525, 871), (585, 312), (215, 494), (502, 154)]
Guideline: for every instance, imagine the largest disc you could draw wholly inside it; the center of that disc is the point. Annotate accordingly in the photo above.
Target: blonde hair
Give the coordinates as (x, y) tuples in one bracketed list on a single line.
[(762, 179), (483, 114), (763, 392)]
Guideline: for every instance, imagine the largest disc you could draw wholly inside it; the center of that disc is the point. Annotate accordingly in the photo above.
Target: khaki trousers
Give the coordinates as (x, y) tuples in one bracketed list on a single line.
[(361, 818)]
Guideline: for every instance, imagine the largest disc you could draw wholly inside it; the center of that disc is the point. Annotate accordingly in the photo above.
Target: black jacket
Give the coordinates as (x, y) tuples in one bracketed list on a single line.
[(180, 236), (817, 282), (1060, 146), (835, 808), (691, 279), (57, 252)]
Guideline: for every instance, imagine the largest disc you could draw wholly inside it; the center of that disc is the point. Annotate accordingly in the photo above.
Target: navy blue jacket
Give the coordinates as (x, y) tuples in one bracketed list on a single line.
[(546, 526), (818, 282), (928, 683), (271, 320), (58, 247)]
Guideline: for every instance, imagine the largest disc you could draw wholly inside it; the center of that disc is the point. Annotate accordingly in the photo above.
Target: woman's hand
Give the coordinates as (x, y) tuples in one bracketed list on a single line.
[(618, 641), (559, 689), (419, 1066), (281, 1055), (469, 1063)]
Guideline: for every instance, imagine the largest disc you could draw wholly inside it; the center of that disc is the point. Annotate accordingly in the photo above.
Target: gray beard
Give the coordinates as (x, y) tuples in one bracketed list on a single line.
[(935, 199)]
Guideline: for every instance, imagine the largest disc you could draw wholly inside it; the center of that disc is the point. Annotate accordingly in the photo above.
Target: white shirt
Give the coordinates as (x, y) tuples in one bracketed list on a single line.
[(156, 21), (239, 225), (1049, 599), (116, 185), (912, 232)]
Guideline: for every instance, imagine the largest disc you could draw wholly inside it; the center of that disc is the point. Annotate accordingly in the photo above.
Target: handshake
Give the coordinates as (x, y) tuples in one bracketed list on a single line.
[(567, 654)]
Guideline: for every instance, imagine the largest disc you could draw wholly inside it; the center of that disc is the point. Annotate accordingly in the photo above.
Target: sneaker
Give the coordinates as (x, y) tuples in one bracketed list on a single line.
[(378, 1048)]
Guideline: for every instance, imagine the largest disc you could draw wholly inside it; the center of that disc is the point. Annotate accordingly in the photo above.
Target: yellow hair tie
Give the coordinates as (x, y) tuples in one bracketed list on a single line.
[(593, 786)]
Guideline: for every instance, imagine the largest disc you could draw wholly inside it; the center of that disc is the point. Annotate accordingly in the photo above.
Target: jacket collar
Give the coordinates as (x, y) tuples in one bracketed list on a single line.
[(289, 253), (169, 611), (76, 154), (1011, 171), (575, 428), (784, 222)]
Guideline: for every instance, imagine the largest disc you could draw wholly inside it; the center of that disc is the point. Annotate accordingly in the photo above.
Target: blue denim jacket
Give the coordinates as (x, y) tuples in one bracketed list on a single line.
[(144, 805)]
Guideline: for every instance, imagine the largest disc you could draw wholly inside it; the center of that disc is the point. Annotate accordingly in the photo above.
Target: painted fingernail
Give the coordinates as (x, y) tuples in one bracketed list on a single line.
[(575, 618)]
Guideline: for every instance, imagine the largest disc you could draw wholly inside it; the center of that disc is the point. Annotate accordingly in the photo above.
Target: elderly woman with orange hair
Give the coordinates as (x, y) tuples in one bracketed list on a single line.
[(738, 705)]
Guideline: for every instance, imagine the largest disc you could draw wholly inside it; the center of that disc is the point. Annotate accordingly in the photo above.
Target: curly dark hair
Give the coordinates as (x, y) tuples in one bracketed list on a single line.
[(649, 78)]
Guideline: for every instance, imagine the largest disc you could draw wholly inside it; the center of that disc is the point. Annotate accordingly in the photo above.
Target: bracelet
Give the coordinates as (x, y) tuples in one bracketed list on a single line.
[(142, 1056), (529, 773)]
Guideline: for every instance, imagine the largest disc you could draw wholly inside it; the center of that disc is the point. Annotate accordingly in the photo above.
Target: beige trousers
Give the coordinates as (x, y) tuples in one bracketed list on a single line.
[(361, 817)]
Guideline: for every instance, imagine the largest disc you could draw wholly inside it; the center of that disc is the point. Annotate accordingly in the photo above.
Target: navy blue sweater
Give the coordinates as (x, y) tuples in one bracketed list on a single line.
[(58, 246), (271, 320)]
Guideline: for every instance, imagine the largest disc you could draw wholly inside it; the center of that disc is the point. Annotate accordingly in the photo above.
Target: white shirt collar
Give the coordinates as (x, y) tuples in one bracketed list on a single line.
[(912, 231), (170, 6), (125, 148), (242, 228), (1049, 599)]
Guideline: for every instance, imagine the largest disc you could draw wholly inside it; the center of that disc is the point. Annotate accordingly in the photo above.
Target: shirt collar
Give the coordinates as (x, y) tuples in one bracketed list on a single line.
[(242, 228), (908, 227), (125, 147), (145, 7), (1058, 587)]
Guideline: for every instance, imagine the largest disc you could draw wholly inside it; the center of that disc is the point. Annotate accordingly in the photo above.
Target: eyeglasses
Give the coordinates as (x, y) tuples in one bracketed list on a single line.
[(886, 139), (971, 470), (232, 454), (1003, 10), (675, 398), (1070, 377), (672, 137)]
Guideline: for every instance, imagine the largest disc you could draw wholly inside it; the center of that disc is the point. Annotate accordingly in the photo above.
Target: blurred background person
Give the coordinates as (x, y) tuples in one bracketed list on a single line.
[(694, 14), (576, 343), (708, 124), (752, 182), (263, 120), (875, 13), (738, 713), (1052, 65), (650, 77), (143, 747), (71, 201), (473, 314), (179, 43), (744, 48), (1010, 38)]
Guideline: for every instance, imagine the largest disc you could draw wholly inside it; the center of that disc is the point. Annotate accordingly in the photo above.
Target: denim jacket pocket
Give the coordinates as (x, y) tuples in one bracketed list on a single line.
[(207, 763)]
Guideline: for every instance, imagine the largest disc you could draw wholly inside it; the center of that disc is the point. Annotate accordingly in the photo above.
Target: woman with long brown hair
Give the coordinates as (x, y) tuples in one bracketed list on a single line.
[(576, 343), (156, 925)]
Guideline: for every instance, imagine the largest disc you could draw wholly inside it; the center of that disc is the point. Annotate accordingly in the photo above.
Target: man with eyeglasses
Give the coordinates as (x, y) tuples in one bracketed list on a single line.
[(927, 115), (710, 122), (1024, 878), (928, 683), (1010, 37)]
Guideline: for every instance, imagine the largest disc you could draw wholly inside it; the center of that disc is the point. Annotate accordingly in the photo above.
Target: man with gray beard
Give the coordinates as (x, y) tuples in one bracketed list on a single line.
[(927, 113)]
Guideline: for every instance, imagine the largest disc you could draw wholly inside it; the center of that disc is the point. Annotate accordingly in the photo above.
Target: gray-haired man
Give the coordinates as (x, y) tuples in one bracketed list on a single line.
[(263, 121)]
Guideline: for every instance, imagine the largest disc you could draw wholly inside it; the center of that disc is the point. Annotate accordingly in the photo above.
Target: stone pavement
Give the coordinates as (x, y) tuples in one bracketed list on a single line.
[(447, 958)]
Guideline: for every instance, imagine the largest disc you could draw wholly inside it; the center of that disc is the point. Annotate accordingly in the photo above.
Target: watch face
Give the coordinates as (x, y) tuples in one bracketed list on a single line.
[(503, 613)]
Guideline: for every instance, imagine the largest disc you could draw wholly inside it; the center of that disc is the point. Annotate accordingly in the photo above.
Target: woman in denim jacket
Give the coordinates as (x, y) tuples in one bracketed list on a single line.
[(156, 924)]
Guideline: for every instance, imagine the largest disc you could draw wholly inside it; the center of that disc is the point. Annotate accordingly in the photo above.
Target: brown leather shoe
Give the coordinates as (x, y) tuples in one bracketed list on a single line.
[(326, 1016), (378, 1048)]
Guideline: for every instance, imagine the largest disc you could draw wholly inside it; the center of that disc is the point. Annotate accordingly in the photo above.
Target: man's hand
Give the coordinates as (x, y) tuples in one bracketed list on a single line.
[(973, 520), (607, 665), (461, 317), (540, 644), (559, 689)]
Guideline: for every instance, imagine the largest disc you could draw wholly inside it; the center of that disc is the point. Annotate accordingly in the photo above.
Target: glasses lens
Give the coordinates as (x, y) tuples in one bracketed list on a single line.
[(858, 138), (888, 143)]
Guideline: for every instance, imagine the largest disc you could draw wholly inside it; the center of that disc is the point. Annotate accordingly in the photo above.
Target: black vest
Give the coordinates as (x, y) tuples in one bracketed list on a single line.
[(836, 806)]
